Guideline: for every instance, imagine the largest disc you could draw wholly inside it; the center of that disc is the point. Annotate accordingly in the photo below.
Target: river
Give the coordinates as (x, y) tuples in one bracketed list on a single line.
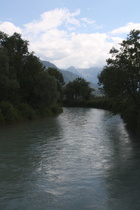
[(82, 159)]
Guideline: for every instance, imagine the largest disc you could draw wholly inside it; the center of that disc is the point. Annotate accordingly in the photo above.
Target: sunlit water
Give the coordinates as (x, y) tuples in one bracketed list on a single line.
[(82, 159)]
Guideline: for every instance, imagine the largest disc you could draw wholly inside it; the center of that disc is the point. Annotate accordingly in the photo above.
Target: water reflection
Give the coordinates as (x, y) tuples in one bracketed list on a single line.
[(82, 159), (122, 172)]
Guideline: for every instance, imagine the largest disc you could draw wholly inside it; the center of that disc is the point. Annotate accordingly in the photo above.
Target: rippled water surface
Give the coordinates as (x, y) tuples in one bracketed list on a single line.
[(82, 159)]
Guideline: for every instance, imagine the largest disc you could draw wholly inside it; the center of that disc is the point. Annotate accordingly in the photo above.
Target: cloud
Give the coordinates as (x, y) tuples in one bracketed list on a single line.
[(56, 37), (86, 20), (53, 19), (59, 38), (126, 29), (80, 50), (66, 49), (9, 28)]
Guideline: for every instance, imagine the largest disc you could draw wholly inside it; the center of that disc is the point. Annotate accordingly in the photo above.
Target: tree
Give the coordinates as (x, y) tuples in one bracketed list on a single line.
[(37, 86), (59, 79), (121, 76), (57, 74), (24, 81), (17, 49), (8, 85), (78, 90), (120, 80)]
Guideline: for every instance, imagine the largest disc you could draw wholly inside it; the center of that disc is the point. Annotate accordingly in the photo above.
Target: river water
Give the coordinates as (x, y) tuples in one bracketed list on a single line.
[(83, 159)]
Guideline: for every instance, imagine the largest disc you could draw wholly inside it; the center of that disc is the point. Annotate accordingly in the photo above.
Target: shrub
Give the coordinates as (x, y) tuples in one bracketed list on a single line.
[(26, 111), (8, 112), (57, 109), (1, 117)]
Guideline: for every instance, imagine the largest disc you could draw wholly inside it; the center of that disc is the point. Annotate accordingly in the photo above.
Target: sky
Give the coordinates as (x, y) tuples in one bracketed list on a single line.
[(68, 33)]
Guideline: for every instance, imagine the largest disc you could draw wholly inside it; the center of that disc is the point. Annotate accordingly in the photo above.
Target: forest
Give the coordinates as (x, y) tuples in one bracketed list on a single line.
[(27, 90), (120, 80)]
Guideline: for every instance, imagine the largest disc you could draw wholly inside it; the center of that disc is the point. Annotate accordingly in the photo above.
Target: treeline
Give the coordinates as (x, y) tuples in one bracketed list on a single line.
[(77, 92), (120, 80), (27, 89)]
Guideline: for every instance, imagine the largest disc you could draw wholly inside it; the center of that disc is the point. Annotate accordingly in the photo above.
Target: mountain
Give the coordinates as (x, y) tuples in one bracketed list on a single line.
[(73, 73), (48, 64), (67, 75), (89, 74)]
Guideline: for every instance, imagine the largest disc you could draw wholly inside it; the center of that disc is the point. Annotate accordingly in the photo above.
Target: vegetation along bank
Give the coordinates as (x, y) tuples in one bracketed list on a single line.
[(27, 90)]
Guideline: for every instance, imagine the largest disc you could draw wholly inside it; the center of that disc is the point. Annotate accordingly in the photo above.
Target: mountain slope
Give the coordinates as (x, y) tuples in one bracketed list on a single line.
[(48, 64), (89, 74), (67, 75), (72, 73)]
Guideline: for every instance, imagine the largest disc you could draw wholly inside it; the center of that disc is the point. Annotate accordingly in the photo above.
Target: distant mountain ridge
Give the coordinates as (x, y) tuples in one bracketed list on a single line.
[(68, 76), (73, 73), (48, 64), (90, 74)]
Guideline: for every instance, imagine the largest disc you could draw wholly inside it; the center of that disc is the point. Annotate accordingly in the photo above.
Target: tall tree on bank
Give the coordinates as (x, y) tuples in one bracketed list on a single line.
[(59, 79), (120, 78), (23, 78)]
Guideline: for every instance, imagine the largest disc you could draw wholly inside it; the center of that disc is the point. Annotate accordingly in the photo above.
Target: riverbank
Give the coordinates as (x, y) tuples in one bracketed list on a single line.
[(98, 102), (10, 113), (126, 108)]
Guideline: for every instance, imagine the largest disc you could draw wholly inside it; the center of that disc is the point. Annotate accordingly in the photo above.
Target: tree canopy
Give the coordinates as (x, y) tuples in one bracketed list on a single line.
[(23, 78), (59, 79), (120, 78), (78, 89)]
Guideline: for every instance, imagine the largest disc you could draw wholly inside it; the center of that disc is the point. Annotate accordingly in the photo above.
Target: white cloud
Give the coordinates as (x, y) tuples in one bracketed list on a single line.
[(79, 50), (126, 29), (54, 38), (86, 20), (53, 19), (84, 50), (9, 28), (57, 37)]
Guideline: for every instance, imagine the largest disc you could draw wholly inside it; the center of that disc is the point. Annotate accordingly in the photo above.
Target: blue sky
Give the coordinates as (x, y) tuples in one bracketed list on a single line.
[(71, 32)]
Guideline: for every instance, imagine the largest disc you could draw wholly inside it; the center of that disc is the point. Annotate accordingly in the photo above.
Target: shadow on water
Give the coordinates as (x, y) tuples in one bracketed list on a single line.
[(122, 168)]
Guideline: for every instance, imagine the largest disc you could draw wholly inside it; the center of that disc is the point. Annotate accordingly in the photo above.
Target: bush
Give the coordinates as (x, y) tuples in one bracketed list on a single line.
[(26, 111), (1, 117), (57, 109), (8, 112)]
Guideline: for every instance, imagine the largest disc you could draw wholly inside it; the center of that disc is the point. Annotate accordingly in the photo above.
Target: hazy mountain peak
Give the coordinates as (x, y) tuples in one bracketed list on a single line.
[(71, 68), (71, 73), (48, 64)]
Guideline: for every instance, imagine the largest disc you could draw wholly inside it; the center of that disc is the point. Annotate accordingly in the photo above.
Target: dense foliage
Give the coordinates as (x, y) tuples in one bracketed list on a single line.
[(60, 81), (26, 88), (77, 90), (120, 79)]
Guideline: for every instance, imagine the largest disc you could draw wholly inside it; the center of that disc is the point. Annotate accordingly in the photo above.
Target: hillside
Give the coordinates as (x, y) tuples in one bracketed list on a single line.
[(72, 73), (68, 76), (90, 74)]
